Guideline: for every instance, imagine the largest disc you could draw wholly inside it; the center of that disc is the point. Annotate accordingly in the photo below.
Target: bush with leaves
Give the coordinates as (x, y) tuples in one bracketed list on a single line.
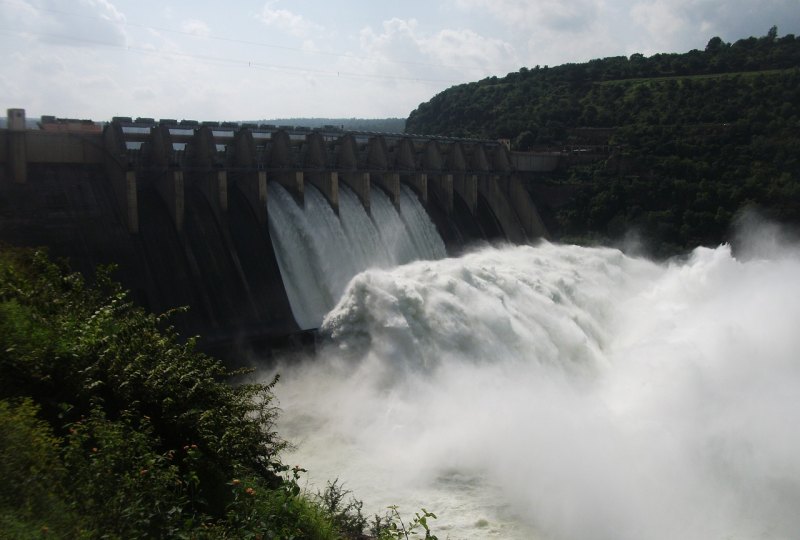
[(392, 527), (111, 427), (32, 495), (343, 509), (143, 434)]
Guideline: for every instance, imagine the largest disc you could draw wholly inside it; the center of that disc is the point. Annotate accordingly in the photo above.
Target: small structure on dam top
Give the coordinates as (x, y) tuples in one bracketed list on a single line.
[(182, 206)]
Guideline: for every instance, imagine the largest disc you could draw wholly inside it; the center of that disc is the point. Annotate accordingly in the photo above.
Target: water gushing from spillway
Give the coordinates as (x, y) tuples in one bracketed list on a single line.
[(562, 392), (319, 252)]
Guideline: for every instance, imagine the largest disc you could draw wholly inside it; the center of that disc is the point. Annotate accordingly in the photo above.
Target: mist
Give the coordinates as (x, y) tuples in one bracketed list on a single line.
[(562, 392)]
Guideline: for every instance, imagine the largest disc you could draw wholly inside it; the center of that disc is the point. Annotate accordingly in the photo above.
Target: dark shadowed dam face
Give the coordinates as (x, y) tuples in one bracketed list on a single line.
[(258, 230)]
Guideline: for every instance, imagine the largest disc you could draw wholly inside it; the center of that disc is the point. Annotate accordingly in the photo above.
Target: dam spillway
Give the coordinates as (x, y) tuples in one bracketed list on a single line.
[(190, 212), (318, 253)]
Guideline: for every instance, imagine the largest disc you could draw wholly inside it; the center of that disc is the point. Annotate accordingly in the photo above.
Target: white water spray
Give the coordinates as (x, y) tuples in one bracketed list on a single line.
[(318, 252), (563, 393)]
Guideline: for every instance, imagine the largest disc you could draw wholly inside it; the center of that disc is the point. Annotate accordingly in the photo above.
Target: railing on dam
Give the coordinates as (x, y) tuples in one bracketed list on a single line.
[(170, 157)]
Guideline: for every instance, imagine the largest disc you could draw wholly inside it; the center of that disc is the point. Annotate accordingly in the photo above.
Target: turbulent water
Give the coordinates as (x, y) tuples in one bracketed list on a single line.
[(560, 392), (318, 252)]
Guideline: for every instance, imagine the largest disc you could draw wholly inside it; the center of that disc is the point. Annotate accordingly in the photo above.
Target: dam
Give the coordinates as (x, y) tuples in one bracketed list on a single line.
[(214, 215)]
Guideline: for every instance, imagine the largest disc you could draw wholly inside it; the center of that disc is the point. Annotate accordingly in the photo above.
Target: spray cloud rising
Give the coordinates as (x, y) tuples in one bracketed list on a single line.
[(563, 392)]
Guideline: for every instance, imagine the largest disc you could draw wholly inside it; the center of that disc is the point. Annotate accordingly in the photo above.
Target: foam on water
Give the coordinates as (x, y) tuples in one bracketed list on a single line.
[(563, 392)]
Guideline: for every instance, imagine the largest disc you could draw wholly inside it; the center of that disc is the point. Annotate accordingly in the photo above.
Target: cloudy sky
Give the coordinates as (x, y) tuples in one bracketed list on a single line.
[(256, 59)]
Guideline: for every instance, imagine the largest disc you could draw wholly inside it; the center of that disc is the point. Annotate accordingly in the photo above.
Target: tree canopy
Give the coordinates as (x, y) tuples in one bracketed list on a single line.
[(691, 138)]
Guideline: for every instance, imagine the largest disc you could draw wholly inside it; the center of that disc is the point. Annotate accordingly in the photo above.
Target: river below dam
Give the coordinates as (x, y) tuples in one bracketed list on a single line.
[(562, 392)]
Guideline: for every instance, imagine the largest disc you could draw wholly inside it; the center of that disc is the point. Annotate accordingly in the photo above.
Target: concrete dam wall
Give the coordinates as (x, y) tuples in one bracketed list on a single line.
[(183, 208)]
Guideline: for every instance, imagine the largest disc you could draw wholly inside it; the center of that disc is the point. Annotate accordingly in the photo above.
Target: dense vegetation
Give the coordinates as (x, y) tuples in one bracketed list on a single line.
[(110, 427), (682, 141)]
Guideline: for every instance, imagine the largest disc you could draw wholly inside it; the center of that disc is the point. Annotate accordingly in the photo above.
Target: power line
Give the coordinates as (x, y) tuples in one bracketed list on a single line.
[(236, 40), (226, 60)]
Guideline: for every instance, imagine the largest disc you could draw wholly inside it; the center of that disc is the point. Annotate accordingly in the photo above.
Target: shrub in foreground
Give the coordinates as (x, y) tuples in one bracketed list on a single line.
[(111, 427), (132, 432)]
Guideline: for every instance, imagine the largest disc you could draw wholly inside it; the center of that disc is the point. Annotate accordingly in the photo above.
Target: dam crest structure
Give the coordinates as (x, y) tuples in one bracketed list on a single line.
[(182, 208)]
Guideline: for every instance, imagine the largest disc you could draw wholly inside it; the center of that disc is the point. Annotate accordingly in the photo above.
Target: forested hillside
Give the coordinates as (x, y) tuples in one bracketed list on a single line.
[(689, 139)]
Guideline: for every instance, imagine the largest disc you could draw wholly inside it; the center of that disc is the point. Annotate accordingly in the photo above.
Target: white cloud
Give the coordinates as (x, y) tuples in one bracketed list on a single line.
[(66, 83), (465, 48), (81, 23), (579, 30), (660, 21), (143, 93), (372, 60), (396, 42), (196, 27), (18, 13), (573, 16), (447, 53), (287, 21), (551, 32), (90, 21)]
